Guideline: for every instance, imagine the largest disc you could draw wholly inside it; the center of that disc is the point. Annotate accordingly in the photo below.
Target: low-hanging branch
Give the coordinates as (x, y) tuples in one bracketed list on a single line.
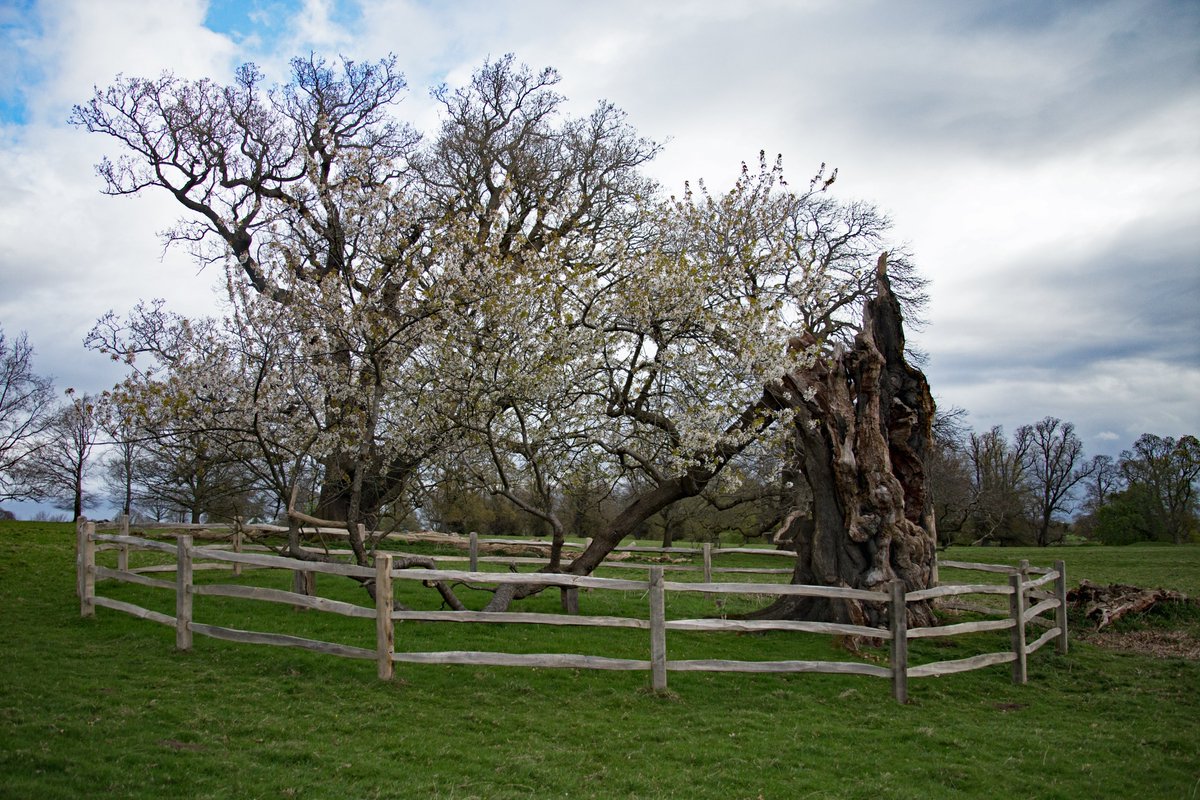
[(400, 562)]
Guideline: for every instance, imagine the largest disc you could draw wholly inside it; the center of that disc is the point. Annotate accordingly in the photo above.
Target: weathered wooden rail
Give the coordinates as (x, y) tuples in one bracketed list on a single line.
[(189, 557), (474, 547)]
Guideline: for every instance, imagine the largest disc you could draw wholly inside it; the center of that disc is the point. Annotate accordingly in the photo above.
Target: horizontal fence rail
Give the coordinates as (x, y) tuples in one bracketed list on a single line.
[(1027, 601), (474, 546)]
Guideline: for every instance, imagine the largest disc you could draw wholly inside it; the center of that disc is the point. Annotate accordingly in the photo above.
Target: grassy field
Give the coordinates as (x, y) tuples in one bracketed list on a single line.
[(107, 707)]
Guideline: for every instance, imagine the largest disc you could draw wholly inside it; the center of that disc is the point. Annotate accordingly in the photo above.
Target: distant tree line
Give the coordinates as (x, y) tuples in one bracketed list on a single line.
[(1037, 486), (78, 451)]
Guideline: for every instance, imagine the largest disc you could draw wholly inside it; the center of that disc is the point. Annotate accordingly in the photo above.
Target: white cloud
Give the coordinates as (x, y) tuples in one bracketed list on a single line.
[(85, 43)]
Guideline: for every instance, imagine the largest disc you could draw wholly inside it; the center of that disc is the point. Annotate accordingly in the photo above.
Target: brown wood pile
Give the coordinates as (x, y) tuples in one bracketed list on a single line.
[(1107, 604)]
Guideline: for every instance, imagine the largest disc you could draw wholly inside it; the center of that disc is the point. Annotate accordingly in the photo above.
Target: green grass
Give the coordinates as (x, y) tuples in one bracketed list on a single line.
[(1148, 565), (107, 707)]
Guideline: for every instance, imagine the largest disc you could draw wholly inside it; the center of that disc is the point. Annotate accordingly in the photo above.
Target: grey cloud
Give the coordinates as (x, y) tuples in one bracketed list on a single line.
[(1136, 296), (948, 77)]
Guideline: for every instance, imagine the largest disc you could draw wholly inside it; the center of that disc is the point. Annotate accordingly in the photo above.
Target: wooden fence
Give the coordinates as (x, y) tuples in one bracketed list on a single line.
[(1020, 591), (475, 548)]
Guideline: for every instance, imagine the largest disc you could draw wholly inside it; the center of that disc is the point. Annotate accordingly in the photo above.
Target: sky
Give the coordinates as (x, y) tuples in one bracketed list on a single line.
[(1040, 159)]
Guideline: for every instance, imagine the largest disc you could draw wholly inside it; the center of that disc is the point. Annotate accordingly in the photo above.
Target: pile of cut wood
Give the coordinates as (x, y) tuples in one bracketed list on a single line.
[(1107, 604)]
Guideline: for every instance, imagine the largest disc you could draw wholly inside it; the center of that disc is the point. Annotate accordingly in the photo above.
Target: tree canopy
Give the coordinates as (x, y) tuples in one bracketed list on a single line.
[(508, 302)]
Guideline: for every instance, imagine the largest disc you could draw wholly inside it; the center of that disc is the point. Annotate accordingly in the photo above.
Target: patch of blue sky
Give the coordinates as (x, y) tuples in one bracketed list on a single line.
[(12, 12), (262, 22), (250, 19), (18, 25), (345, 13), (12, 109)]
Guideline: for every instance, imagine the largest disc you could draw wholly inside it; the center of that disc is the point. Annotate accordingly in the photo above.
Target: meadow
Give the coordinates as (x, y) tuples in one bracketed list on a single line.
[(106, 706)]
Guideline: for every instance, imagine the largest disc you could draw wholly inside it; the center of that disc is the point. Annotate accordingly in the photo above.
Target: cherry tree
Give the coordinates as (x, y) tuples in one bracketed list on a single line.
[(670, 363)]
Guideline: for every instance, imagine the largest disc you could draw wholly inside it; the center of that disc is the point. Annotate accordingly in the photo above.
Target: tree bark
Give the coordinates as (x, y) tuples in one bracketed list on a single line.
[(863, 425)]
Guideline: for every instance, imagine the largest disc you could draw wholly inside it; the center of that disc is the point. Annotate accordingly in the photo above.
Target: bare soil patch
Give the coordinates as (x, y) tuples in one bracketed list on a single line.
[(1157, 643)]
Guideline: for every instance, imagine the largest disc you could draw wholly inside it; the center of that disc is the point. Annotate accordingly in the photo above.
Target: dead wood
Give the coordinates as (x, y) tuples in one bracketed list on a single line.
[(1107, 604), (863, 423)]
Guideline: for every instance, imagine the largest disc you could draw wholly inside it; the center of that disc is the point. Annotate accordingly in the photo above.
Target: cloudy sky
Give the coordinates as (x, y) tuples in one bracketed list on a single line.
[(1041, 159)]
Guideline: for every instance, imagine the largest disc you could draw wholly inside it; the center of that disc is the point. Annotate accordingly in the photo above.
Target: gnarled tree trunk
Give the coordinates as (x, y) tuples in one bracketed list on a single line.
[(863, 424)]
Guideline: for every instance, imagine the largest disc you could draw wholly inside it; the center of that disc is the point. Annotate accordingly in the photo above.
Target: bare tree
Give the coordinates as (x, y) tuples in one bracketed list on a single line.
[(1055, 467), (57, 470), (193, 473), (949, 469), (1001, 484), (26, 403), (123, 446), (1104, 478)]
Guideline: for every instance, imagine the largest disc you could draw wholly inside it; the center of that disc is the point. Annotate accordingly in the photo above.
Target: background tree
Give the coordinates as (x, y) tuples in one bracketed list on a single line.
[(123, 448), (950, 475), (1104, 478), (1103, 481), (197, 477), (1002, 501), (1127, 517), (1056, 467), (58, 469), (26, 403), (1162, 472)]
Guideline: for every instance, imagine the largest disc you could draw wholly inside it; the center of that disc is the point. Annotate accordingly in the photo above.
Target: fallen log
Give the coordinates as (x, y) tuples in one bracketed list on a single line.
[(1107, 604)]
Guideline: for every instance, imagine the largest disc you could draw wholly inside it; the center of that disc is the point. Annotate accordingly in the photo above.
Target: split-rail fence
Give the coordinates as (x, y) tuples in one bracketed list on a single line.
[(1031, 592)]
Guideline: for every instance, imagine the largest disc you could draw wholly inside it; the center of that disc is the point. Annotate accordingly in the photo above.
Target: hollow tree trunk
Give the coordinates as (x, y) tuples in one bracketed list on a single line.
[(863, 425)]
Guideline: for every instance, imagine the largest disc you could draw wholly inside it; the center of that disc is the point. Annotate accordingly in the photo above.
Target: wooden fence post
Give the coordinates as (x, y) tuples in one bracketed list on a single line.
[(305, 583), (473, 551), (658, 631), (708, 562), (385, 629), (1060, 589), (87, 569), (1017, 611), (569, 597), (123, 549), (183, 592), (80, 527), (237, 544), (898, 621)]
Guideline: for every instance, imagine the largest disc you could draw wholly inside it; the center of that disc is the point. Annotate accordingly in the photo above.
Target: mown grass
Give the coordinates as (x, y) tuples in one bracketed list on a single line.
[(1148, 565), (107, 707)]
